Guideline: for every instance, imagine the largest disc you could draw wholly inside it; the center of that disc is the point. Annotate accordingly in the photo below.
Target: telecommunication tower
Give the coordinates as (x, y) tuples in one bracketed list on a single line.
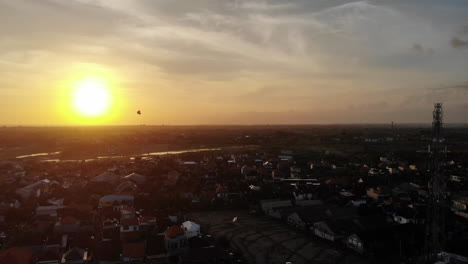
[(436, 202)]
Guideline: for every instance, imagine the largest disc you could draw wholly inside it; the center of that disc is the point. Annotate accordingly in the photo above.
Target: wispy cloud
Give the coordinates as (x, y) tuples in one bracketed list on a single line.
[(301, 53)]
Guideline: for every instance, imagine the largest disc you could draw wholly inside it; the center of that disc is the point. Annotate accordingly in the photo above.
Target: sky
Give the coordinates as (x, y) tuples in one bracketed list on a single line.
[(236, 61)]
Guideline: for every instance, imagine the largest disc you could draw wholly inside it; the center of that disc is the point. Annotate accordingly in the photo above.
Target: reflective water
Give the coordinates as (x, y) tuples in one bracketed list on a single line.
[(38, 154), (132, 157)]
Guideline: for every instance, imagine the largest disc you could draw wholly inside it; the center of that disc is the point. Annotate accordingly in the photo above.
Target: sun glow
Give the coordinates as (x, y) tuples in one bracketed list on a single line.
[(91, 97)]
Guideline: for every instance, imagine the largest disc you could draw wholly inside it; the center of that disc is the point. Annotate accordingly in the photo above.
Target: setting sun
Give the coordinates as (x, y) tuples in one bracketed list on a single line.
[(91, 97)]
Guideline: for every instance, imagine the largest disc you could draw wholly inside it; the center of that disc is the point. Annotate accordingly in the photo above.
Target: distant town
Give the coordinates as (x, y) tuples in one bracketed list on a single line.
[(233, 194)]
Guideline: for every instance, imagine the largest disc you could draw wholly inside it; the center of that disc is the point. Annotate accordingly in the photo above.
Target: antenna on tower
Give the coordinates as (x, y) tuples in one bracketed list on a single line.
[(435, 219), (392, 146)]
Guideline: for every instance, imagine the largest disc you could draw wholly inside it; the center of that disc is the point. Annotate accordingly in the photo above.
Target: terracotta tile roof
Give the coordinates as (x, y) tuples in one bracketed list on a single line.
[(163, 223), (145, 219), (174, 231)]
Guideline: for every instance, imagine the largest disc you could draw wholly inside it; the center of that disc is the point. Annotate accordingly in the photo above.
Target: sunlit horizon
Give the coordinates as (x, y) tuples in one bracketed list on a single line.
[(232, 62)]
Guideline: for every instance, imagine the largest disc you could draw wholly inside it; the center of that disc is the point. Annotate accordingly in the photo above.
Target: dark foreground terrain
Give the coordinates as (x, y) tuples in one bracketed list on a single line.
[(265, 241)]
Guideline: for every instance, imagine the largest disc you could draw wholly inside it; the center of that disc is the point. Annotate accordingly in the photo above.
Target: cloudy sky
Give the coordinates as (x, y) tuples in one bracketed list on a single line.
[(237, 61)]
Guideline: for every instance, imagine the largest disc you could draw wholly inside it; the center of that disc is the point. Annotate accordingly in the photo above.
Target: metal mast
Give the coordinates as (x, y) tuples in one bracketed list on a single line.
[(435, 220)]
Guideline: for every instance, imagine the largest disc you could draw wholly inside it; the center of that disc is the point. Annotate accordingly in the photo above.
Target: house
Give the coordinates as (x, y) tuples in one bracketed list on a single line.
[(252, 176), (295, 169), (76, 255), (278, 175), (268, 165), (136, 178), (268, 205), (68, 224), (110, 229), (455, 178), (126, 187), (115, 200), (393, 169), (107, 177), (127, 211), (370, 234), (377, 194), (326, 230), (172, 178), (374, 172), (9, 203), (175, 241), (247, 169), (51, 211), (130, 229), (162, 224), (192, 229), (133, 251), (460, 204), (222, 192), (36, 189), (282, 212), (303, 218), (358, 202), (147, 223), (355, 242), (249, 172), (55, 201), (254, 188), (286, 157), (405, 215), (347, 229)]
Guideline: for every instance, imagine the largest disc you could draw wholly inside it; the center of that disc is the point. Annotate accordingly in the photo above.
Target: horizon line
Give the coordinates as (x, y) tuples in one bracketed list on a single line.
[(253, 124)]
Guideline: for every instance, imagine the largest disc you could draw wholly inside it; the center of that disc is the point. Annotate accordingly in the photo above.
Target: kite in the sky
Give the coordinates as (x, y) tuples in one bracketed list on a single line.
[(139, 112)]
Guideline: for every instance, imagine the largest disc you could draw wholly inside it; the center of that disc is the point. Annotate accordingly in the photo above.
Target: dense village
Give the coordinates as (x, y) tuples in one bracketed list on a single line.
[(146, 209)]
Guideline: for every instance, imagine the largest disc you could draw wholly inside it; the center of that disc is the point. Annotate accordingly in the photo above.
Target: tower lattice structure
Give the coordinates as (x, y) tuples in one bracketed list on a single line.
[(436, 202)]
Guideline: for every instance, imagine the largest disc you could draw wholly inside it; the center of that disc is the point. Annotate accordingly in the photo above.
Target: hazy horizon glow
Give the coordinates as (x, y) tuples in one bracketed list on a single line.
[(233, 62)]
